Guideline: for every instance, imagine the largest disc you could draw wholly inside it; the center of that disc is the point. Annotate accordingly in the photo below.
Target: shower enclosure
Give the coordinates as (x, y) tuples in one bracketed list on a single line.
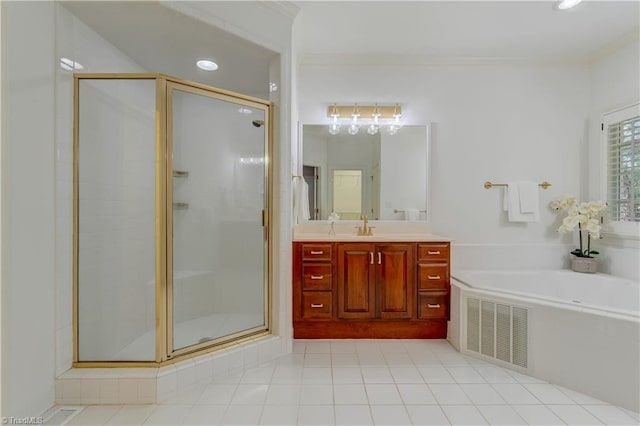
[(171, 215)]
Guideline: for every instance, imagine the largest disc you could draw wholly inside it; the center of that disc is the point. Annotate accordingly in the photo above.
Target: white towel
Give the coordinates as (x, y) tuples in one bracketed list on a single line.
[(300, 200), (521, 202), (411, 214)]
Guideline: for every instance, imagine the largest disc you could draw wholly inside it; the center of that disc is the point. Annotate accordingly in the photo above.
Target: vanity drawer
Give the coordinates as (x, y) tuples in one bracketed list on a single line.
[(435, 251), (316, 252), (316, 276), (433, 304), (316, 305), (433, 276)]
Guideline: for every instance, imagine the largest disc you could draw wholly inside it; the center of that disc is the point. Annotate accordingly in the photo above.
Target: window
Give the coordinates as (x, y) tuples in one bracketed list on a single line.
[(621, 149)]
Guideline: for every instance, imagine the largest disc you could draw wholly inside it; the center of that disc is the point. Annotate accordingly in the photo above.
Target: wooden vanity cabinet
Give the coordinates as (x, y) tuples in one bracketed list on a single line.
[(375, 280), (370, 290), (433, 280), (313, 297)]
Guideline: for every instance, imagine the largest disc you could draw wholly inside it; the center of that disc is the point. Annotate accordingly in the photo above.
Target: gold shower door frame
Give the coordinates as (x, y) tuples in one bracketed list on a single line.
[(164, 350)]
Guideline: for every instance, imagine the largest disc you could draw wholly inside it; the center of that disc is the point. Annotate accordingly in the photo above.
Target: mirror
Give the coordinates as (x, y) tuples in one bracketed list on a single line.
[(383, 176)]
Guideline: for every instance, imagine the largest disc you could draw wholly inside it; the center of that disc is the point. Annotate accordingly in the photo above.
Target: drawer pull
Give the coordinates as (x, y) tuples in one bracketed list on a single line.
[(371, 257), (433, 252), (319, 305), (317, 252), (433, 305), (379, 258), (433, 277), (317, 277)]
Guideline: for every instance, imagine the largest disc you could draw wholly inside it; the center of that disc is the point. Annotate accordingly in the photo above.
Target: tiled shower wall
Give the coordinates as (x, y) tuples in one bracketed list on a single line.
[(76, 41)]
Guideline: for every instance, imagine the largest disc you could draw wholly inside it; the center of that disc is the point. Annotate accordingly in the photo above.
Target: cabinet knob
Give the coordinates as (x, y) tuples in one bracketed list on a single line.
[(317, 277), (433, 305), (319, 305), (316, 252), (433, 277), (433, 252)]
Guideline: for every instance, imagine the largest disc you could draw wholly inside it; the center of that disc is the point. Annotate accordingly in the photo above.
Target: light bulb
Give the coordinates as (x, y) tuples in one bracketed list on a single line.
[(353, 129), (372, 129), (392, 129), (334, 128)]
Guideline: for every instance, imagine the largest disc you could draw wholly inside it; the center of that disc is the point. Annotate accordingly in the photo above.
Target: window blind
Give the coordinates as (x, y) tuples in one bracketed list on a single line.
[(623, 169)]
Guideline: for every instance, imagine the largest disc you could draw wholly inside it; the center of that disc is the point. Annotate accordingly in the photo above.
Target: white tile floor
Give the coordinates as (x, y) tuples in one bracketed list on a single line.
[(364, 382)]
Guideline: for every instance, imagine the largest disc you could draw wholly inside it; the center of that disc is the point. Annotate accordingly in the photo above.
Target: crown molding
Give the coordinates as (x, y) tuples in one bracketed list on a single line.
[(284, 8), (430, 60)]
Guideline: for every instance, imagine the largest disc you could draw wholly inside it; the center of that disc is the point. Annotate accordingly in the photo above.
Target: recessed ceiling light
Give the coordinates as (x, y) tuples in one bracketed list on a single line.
[(245, 111), (70, 65), (567, 4), (207, 65)]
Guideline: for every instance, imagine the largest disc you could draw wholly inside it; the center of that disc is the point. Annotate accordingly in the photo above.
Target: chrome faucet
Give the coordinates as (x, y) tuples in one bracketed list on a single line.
[(365, 230)]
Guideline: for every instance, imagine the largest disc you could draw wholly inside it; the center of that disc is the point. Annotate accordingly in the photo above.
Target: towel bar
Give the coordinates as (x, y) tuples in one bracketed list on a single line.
[(402, 211), (488, 185)]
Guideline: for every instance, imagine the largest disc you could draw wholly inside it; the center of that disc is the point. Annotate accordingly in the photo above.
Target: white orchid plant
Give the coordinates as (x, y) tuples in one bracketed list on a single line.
[(586, 216)]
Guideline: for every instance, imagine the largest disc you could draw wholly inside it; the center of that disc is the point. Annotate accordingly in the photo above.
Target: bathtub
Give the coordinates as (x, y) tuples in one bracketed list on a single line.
[(581, 331)]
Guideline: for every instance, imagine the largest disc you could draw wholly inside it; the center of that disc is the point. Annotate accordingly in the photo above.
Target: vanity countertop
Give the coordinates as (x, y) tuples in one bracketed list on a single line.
[(383, 231), (400, 237)]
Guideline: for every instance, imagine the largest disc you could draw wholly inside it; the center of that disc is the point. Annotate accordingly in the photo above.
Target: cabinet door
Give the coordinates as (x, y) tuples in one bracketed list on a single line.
[(356, 291), (395, 280)]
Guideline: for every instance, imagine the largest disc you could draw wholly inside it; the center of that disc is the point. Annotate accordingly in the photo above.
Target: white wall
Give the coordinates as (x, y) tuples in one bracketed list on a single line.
[(500, 122), (615, 83), (28, 205)]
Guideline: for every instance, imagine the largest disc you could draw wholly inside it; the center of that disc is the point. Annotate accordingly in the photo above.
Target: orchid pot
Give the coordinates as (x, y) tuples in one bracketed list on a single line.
[(587, 218)]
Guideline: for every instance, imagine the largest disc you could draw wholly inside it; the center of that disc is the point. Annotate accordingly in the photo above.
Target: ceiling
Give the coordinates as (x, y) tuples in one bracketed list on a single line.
[(522, 29), (163, 40)]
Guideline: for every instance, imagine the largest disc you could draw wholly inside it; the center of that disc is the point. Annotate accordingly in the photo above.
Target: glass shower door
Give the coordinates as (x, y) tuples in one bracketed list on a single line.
[(217, 193)]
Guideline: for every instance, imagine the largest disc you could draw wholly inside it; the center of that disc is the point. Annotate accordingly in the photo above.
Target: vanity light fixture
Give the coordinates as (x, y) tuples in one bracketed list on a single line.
[(207, 65), (375, 118), (568, 4)]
